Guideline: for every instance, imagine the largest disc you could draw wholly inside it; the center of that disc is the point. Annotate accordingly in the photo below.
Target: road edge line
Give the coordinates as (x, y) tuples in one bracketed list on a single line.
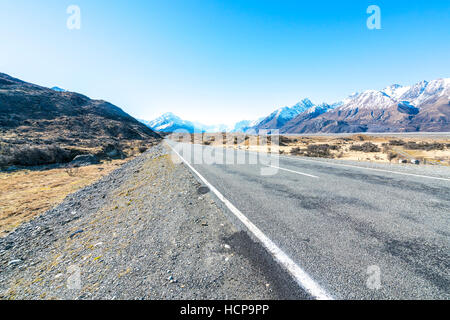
[(365, 168), (300, 276), (297, 172)]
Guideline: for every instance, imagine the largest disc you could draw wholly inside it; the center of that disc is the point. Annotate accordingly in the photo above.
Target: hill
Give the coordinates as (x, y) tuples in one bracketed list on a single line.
[(40, 126)]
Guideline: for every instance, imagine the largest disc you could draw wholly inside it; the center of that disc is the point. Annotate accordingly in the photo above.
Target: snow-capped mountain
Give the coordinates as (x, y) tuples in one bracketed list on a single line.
[(415, 95), (281, 116), (169, 122), (200, 127), (420, 107), (395, 91), (246, 125)]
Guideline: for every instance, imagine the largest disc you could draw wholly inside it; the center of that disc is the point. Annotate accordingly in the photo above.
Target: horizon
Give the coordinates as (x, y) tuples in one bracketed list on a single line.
[(221, 63)]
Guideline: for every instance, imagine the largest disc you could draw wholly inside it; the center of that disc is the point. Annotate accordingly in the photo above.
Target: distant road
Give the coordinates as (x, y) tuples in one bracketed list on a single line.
[(347, 226)]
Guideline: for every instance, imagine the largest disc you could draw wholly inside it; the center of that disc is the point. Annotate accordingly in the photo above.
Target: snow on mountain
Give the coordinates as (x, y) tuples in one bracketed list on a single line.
[(200, 127), (281, 116), (58, 89), (423, 91), (395, 91), (246, 125), (169, 122), (288, 113), (415, 95), (370, 99), (322, 108)]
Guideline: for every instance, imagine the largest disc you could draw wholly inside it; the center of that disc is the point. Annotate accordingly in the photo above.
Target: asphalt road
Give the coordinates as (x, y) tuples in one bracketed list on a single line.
[(359, 232)]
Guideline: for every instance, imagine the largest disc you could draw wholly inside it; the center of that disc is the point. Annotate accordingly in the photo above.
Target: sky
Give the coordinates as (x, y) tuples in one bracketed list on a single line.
[(222, 61)]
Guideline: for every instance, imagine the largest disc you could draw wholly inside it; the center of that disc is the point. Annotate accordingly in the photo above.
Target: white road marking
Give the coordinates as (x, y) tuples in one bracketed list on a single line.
[(358, 167), (300, 276), (297, 172), (365, 168)]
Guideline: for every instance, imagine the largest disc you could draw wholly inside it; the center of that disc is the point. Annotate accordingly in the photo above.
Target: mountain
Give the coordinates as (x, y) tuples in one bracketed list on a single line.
[(58, 89), (311, 113), (36, 117), (421, 107), (200, 127), (280, 117), (246, 125), (169, 122)]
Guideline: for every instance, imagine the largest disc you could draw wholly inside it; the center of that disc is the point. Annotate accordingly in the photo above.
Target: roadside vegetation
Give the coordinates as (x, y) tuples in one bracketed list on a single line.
[(36, 175), (28, 193), (20, 152), (421, 149)]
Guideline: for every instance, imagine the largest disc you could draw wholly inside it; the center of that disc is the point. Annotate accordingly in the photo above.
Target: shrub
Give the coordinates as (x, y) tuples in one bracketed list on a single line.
[(320, 150), (296, 151), (35, 156), (392, 156), (397, 143), (365, 147), (142, 149), (425, 146), (316, 151), (284, 141)]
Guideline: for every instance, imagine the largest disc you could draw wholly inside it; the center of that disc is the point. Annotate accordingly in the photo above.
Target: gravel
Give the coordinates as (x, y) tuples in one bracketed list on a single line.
[(148, 230)]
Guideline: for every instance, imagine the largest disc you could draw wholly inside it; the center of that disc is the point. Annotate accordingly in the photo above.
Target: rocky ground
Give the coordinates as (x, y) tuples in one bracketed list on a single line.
[(145, 231)]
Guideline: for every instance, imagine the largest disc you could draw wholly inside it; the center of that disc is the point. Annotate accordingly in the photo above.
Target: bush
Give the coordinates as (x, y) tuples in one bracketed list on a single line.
[(320, 150), (35, 156), (142, 149), (296, 151), (425, 146), (284, 141), (365, 147), (397, 143), (316, 151), (392, 156)]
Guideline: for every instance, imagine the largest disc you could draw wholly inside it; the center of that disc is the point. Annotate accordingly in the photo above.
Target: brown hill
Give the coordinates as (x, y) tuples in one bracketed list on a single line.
[(41, 126)]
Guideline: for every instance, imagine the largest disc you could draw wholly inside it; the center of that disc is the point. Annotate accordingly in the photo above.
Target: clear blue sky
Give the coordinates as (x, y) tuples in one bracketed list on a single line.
[(222, 61)]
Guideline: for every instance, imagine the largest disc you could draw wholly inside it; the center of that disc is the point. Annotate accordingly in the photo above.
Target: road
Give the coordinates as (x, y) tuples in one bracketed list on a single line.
[(357, 232)]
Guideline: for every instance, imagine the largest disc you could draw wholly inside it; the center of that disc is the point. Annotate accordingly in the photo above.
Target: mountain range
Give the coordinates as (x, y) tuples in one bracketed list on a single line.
[(422, 107), (169, 122)]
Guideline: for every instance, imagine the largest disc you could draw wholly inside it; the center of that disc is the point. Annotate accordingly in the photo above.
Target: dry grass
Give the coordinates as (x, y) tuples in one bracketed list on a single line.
[(337, 146), (26, 194)]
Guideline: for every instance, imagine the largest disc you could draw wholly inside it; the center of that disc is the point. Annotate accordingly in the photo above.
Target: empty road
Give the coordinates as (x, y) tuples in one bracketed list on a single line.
[(358, 232)]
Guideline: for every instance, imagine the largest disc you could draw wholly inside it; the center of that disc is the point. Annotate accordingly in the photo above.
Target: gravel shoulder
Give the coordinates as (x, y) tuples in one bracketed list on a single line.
[(142, 232)]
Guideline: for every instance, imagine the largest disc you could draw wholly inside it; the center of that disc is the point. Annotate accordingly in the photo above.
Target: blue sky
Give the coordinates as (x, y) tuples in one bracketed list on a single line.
[(223, 61)]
